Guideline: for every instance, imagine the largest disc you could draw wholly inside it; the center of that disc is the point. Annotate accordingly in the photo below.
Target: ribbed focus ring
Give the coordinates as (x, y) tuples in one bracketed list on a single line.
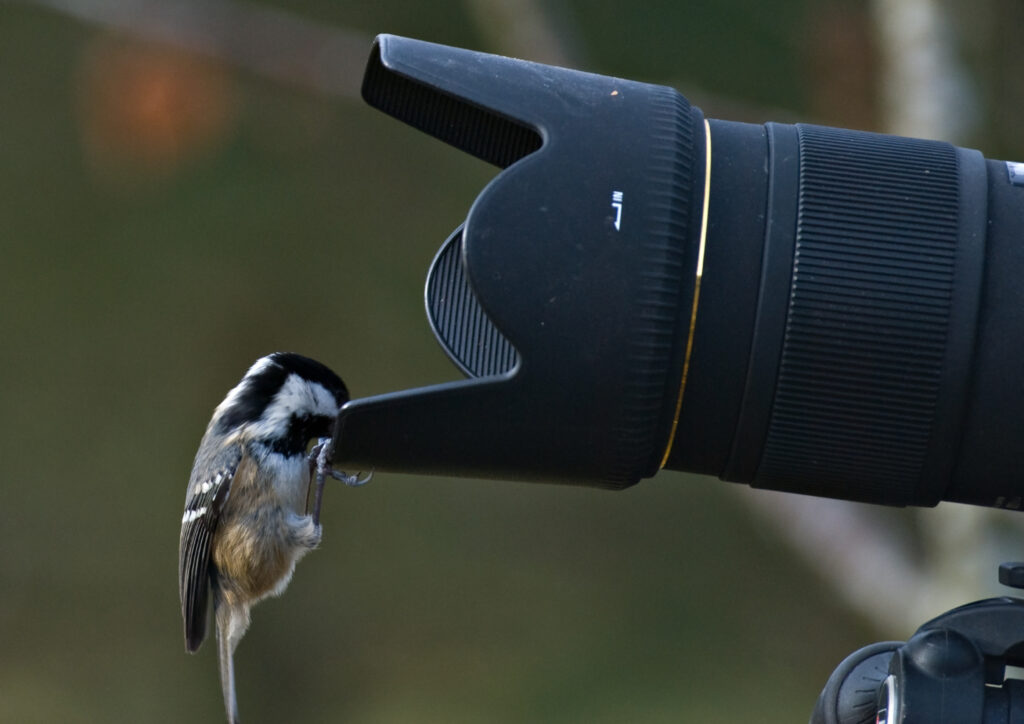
[(868, 316)]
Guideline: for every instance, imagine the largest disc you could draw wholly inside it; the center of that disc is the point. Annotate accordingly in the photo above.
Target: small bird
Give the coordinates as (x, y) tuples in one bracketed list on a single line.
[(245, 524)]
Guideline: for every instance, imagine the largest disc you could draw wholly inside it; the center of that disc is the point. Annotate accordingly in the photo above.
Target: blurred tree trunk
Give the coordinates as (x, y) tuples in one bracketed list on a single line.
[(925, 88)]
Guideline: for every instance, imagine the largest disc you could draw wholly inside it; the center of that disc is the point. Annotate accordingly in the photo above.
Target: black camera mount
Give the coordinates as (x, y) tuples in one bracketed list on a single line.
[(956, 669)]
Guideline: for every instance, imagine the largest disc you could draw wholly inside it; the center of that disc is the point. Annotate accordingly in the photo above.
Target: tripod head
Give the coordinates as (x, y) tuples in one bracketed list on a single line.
[(958, 668)]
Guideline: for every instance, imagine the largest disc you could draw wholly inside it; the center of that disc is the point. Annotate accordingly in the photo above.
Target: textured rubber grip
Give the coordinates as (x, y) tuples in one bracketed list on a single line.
[(868, 317), (470, 128), (460, 324)]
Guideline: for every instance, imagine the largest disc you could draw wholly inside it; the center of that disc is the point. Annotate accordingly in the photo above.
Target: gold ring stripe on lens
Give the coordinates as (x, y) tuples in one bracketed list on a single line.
[(696, 288)]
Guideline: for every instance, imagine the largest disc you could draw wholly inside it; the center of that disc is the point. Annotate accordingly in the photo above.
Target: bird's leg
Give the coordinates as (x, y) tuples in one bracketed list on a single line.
[(314, 465), (322, 456), (323, 464), (314, 454)]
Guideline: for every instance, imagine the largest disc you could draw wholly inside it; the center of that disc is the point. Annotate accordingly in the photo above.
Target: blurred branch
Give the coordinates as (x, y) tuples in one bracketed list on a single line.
[(858, 552), (266, 41), (525, 29), (868, 555), (290, 49)]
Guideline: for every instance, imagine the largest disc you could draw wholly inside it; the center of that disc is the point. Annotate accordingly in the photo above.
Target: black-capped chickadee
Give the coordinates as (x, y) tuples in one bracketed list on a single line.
[(245, 524)]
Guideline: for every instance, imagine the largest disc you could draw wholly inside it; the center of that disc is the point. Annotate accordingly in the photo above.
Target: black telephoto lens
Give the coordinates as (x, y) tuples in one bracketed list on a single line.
[(809, 309), (855, 331)]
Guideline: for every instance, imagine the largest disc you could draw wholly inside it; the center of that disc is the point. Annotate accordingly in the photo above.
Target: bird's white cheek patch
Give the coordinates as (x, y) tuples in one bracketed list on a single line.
[(191, 515)]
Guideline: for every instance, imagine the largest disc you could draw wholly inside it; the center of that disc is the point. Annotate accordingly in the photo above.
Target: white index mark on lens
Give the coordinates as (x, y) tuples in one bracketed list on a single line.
[(205, 487), (617, 205)]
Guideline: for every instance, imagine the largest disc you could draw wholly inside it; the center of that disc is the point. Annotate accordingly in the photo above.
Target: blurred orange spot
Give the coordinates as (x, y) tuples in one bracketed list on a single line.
[(148, 108)]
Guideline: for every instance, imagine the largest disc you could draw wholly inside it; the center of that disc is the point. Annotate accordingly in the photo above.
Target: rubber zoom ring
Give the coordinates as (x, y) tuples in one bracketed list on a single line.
[(868, 317)]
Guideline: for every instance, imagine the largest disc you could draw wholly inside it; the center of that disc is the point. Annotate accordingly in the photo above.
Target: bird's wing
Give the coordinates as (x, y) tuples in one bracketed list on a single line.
[(208, 490)]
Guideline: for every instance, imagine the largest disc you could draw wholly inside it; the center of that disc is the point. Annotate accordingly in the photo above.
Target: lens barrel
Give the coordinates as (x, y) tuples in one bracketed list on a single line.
[(849, 321), (809, 309)]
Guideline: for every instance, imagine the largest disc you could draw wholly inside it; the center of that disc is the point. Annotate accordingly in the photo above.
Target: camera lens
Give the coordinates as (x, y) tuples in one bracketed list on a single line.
[(809, 309), (859, 321)]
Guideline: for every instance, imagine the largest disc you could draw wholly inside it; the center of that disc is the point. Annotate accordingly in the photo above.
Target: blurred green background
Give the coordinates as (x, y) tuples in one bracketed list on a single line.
[(167, 218)]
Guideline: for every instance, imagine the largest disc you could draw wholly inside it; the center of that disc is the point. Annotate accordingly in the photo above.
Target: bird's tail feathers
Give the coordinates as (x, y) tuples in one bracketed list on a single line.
[(232, 622)]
